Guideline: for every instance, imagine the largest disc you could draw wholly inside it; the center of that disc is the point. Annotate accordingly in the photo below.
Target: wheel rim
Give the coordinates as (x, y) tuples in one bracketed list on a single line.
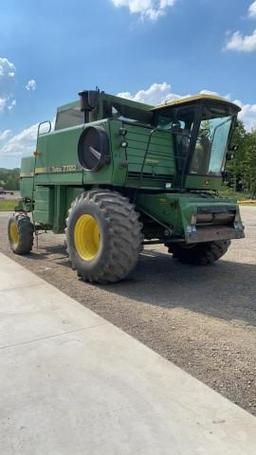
[(87, 237), (14, 234)]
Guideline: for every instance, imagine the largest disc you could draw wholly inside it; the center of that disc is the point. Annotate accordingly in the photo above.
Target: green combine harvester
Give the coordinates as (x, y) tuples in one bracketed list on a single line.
[(115, 175)]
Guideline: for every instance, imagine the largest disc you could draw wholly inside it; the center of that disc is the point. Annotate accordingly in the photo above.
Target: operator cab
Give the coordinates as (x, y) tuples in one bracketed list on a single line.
[(69, 115), (202, 127)]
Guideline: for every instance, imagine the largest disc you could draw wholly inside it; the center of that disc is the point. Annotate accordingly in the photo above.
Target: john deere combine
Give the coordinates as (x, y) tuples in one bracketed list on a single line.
[(115, 174)]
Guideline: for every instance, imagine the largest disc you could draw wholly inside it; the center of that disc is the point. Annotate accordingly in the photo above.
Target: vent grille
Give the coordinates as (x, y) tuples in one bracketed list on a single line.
[(159, 162)]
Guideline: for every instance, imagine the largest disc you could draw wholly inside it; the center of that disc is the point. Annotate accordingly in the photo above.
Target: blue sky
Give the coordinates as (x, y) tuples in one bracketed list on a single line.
[(150, 49)]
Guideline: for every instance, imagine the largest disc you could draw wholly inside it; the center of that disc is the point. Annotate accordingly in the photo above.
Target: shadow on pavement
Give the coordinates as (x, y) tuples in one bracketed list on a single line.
[(225, 290)]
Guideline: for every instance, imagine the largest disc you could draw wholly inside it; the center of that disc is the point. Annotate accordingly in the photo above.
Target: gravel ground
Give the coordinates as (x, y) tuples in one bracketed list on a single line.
[(202, 319)]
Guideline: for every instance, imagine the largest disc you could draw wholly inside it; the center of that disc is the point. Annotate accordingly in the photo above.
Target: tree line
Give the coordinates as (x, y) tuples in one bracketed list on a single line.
[(9, 179), (241, 169)]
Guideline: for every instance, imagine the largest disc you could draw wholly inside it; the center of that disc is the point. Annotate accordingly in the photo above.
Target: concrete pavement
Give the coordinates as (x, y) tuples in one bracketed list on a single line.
[(72, 383)]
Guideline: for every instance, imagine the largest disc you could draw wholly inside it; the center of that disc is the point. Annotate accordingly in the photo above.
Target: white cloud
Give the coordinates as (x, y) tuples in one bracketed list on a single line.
[(247, 114), (7, 73), (7, 102), (22, 143), (147, 9), (7, 68), (155, 94), (3, 102), (12, 105), (241, 43), (31, 85), (159, 93), (252, 10), (5, 135)]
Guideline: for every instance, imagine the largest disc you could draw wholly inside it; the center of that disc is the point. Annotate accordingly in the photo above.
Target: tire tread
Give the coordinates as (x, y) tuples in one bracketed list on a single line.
[(200, 254), (125, 233), (26, 233)]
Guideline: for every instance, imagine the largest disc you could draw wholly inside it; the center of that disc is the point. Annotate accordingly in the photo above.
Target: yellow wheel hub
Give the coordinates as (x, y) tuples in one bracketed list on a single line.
[(14, 234), (87, 237)]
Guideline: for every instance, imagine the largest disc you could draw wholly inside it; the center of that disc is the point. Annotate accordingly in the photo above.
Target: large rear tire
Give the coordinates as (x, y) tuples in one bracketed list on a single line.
[(20, 233), (200, 253), (103, 236)]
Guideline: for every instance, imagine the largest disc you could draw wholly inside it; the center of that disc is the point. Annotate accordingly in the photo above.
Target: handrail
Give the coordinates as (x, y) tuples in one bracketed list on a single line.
[(44, 123), (34, 170)]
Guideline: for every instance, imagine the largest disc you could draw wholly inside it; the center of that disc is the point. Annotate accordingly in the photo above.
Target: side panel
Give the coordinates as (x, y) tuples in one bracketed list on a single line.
[(57, 162), (165, 209), (160, 154), (71, 194), (148, 159), (26, 177), (205, 182), (52, 204), (44, 199), (119, 155), (63, 198), (193, 219)]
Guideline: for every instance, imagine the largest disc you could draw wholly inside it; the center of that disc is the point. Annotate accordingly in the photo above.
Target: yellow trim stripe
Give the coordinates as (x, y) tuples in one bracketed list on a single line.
[(52, 170), (40, 170), (56, 169), (26, 174), (189, 99)]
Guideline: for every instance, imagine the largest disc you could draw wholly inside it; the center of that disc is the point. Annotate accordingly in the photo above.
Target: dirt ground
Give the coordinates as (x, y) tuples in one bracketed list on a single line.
[(201, 318)]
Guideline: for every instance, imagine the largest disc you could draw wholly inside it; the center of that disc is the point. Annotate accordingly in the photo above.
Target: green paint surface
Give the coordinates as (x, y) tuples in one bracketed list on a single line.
[(143, 166)]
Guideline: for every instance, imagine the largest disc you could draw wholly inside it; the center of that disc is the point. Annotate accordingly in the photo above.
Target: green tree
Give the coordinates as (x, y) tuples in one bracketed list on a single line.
[(235, 166), (250, 163), (9, 178)]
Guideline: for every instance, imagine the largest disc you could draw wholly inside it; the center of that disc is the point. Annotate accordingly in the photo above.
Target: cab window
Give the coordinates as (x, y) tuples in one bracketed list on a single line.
[(68, 118)]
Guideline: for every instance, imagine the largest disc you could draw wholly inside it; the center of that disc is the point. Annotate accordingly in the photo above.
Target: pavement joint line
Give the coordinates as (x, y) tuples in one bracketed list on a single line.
[(57, 335)]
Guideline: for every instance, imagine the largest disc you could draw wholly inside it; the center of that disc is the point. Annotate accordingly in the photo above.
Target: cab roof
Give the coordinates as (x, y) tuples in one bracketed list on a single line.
[(197, 99)]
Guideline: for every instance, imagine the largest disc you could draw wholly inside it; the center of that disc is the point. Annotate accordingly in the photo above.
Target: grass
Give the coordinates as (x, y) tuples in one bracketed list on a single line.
[(228, 192), (7, 205), (240, 197)]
